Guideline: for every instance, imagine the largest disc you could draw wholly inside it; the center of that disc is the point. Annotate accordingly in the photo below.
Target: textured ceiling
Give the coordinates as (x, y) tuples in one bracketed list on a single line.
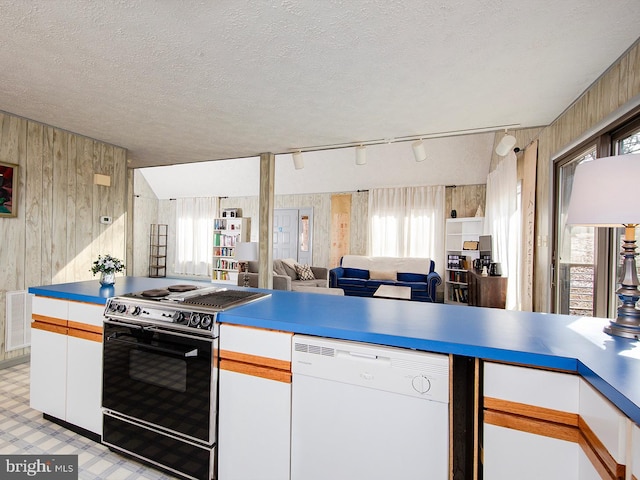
[(183, 81)]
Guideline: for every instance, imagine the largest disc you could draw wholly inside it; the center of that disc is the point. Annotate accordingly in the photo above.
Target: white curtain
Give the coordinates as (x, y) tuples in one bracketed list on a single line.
[(194, 235), (502, 222), (407, 222)]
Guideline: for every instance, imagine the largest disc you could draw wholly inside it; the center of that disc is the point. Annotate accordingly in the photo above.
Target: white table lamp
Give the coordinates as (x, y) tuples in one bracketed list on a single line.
[(605, 194), (246, 252)]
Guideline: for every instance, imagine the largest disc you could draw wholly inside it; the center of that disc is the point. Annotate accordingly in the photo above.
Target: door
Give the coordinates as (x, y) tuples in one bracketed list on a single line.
[(293, 234), (285, 233)]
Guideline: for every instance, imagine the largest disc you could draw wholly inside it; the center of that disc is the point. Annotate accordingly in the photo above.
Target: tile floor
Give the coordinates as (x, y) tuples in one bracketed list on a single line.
[(24, 431)]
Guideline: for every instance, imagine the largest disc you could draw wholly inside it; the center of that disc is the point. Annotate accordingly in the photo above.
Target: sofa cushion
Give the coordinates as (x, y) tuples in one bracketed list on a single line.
[(356, 273), (278, 267), (353, 282), (317, 282), (376, 283), (411, 277), (289, 265), (304, 272), (382, 275)]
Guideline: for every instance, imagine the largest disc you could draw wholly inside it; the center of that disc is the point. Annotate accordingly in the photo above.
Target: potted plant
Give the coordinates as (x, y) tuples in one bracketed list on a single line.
[(107, 266)]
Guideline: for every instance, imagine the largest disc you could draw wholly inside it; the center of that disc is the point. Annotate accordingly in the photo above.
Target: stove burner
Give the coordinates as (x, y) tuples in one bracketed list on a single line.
[(181, 288), (155, 293)]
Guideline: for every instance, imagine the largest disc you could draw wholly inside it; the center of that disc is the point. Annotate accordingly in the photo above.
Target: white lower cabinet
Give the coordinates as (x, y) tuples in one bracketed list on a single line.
[(254, 429), (66, 361), (84, 384), (48, 372), (551, 425)]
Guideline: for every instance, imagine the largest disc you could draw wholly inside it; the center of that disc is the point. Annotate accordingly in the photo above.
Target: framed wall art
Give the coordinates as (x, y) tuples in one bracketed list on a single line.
[(8, 189)]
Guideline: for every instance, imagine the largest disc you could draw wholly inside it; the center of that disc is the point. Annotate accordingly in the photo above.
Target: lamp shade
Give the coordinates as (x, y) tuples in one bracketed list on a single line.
[(506, 145), (361, 155), (298, 161), (605, 192), (246, 251), (418, 151)]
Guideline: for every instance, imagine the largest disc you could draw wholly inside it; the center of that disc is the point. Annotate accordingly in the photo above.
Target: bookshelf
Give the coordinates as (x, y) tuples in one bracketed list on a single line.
[(461, 243), (227, 231)]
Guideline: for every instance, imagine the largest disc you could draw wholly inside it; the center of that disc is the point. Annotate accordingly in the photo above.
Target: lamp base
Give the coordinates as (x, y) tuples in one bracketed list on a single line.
[(627, 323)]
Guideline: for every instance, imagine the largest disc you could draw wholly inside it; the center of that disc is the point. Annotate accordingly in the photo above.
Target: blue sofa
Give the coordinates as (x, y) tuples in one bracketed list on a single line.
[(361, 276)]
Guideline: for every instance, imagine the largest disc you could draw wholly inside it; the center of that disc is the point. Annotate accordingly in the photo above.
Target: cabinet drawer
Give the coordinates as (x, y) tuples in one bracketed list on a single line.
[(256, 342), (540, 388)]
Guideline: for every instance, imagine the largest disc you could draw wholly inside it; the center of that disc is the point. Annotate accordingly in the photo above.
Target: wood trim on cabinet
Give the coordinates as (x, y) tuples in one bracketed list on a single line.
[(256, 360), (255, 370), (532, 425), (541, 413), (86, 335), (554, 424), (49, 320), (50, 327), (593, 444)]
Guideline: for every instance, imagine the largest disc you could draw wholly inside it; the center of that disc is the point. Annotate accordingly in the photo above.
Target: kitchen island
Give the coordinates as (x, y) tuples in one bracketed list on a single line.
[(574, 347)]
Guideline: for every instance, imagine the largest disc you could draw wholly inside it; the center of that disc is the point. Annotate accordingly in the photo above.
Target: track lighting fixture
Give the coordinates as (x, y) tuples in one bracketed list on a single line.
[(506, 145), (298, 161), (361, 155), (418, 151)]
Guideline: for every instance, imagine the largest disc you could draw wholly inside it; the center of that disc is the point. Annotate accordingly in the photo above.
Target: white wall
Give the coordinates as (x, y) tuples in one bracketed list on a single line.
[(462, 160)]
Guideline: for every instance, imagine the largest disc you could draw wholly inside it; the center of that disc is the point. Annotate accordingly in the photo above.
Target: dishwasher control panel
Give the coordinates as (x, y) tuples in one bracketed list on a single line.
[(396, 370)]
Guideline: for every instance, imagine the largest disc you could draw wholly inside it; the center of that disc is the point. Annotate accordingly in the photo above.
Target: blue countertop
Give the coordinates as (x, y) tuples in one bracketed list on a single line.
[(575, 344)]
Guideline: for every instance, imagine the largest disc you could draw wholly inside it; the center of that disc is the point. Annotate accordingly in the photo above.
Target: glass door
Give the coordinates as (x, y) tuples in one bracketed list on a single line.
[(575, 249)]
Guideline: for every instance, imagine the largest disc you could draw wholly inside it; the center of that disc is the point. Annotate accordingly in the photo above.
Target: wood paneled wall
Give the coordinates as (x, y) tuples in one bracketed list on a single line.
[(57, 233), (619, 84), (465, 200)]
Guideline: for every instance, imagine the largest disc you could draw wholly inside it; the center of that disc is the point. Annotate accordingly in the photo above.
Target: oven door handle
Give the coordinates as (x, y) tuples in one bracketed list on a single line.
[(191, 353)]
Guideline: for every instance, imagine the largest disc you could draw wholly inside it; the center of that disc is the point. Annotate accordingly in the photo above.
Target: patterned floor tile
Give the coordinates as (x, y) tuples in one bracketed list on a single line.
[(24, 431)]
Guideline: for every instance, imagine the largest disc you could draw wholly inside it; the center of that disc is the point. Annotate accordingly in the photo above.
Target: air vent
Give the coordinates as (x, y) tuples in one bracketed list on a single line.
[(18, 324), (421, 366), (314, 349)]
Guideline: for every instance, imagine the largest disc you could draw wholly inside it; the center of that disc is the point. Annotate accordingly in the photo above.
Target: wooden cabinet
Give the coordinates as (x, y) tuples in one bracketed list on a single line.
[(461, 244), (228, 231), (487, 291), (66, 361), (254, 429)]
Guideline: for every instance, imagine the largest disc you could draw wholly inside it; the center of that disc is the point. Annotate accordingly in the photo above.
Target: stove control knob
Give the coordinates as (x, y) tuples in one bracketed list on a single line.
[(136, 311), (121, 308), (180, 317), (206, 321), (112, 306), (195, 320)]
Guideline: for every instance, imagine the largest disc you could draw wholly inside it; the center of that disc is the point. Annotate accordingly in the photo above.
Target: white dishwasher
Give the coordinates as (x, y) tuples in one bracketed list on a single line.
[(366, 412)]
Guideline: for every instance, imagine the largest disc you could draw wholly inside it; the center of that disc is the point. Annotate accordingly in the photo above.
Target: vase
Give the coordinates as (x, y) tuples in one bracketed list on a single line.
[(107, 278)]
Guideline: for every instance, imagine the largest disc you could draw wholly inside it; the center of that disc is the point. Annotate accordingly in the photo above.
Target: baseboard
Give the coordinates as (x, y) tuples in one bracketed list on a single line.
[(10, 362)]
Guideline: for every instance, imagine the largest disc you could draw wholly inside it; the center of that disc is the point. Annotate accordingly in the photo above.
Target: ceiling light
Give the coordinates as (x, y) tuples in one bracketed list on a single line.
[(298, 161), (361, 155), (506, 144), (418, 151)]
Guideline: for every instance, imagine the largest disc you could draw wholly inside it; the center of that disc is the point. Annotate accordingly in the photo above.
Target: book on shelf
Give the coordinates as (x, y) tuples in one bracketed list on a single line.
[(457, 262)]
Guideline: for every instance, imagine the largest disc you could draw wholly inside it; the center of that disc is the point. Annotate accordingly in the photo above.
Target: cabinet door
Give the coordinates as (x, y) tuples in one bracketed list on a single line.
[(530, 427), (254, 428), (510, 454), (84, 384), (48, 372)]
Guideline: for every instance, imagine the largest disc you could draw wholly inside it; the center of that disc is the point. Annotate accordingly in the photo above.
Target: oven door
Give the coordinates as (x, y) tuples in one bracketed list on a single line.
[(165, 379)]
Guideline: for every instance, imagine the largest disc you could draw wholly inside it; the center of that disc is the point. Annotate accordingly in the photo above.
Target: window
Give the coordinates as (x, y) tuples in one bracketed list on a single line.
[(586, 260)]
